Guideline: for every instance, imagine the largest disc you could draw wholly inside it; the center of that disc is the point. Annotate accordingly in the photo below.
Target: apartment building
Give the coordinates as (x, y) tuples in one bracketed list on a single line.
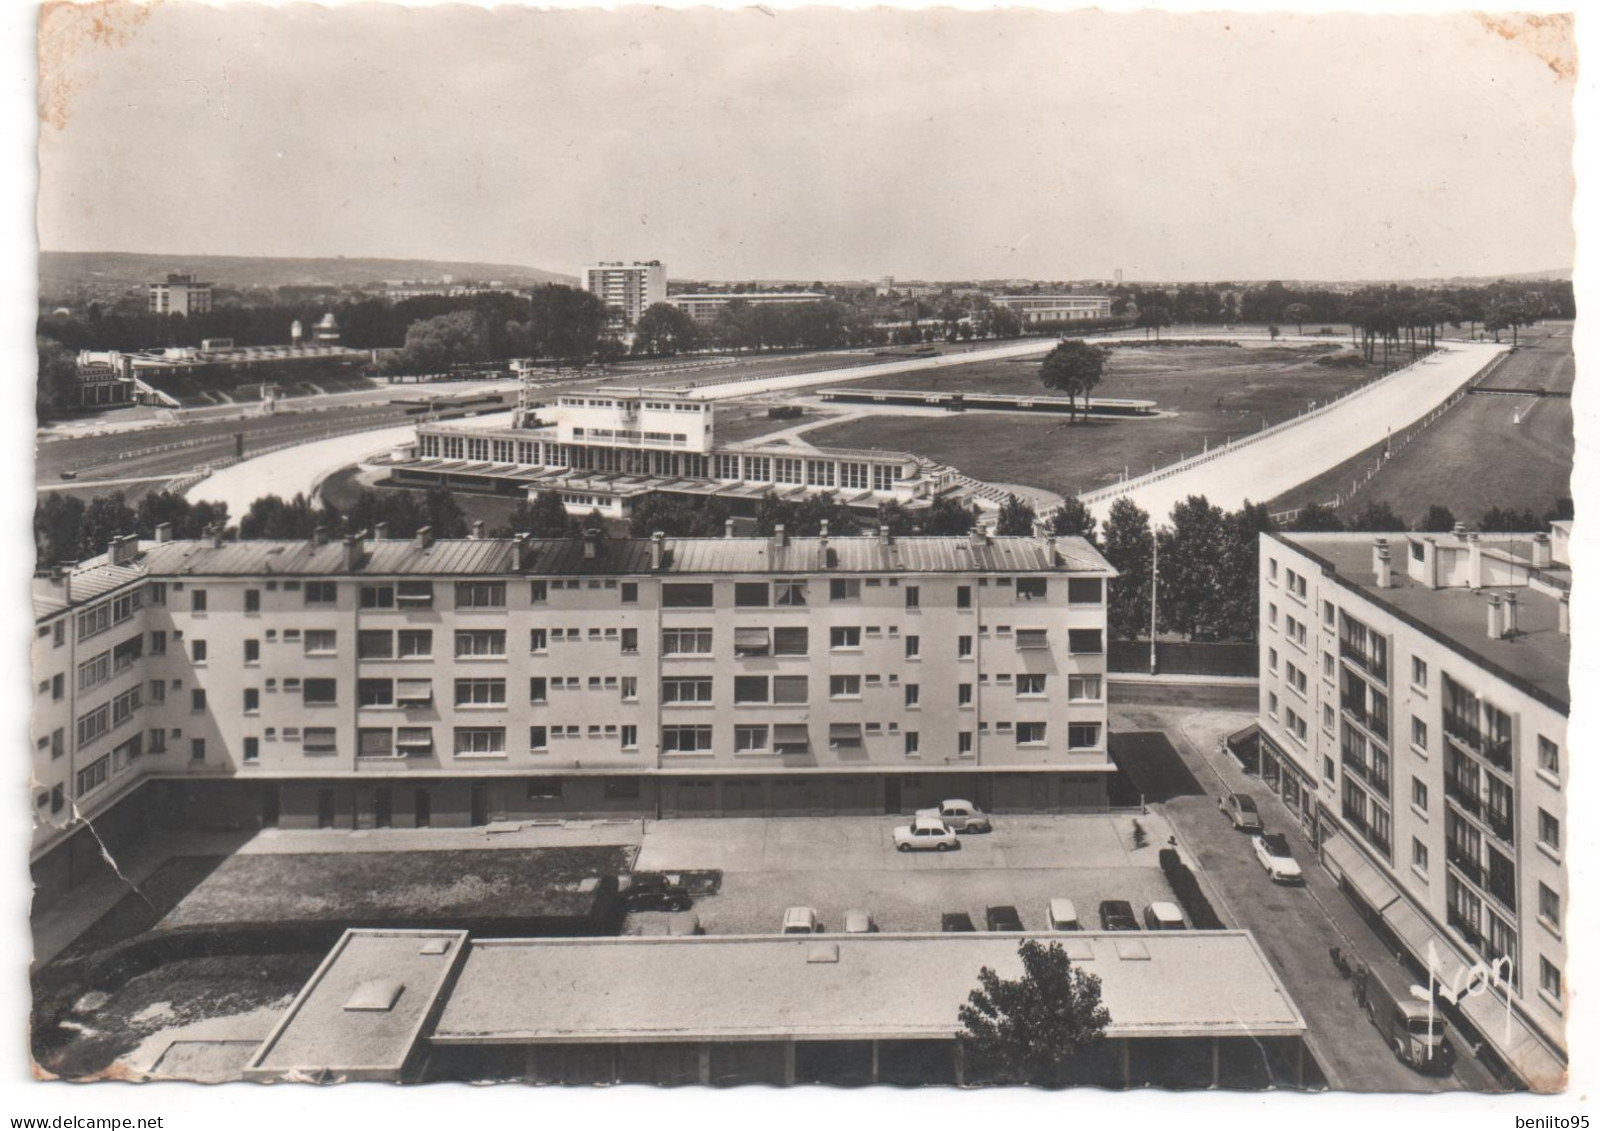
[(179, 294), (704, 308), (412, 682), (1056, 308), (1414, 701), (627, 289)]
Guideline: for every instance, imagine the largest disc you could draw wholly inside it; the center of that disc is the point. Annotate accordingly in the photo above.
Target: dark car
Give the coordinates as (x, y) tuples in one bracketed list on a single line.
[(1117, 915), (1003, 918), (649, 891), (1241, 810), (955, 922)]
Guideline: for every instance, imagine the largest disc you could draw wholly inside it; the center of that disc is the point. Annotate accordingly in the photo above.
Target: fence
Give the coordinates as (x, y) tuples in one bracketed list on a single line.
[(1191, 657), (182, 484)]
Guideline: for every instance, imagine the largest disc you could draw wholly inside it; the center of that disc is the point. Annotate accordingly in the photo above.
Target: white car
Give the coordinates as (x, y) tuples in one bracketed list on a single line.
[(1063, 916), (1272, 849), (801, 921), (858, 922), (962, 816), (926, 833)]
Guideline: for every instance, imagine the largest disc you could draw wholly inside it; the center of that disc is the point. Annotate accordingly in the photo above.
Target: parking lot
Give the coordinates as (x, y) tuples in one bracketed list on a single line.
[(836, 864)]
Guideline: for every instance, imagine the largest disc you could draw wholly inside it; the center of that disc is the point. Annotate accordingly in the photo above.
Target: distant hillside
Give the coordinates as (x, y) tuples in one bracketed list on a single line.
[(62, 271)]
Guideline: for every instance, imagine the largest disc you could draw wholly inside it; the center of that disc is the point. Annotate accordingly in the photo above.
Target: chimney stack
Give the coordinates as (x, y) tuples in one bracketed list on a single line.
[(1564, 615), (354, 551), (885, 539), (780, 534), (1541, 551), (657, 549), (424, 537), (591, 543), (1385, 570), (163, 532), (381, 532), (319, 535), (122, 549), (216, 536), (1497, 624), (477, 529), (1474, 561), (521, 552), (1510, 607), (1380, 546)]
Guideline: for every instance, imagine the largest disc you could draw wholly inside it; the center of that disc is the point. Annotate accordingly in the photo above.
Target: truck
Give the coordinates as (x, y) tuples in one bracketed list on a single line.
[(1411, 1029)]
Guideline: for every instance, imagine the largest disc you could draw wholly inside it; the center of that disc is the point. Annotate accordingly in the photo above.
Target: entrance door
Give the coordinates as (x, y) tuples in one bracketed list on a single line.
[(324, 808), (424, 811), (269, 807), (383, 808), (891, 795), (480, 805)]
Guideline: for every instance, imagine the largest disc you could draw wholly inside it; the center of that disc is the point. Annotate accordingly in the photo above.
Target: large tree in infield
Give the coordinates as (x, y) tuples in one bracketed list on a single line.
[(1073, 368), (1297, 312), (1127, 544), (1034, 1029)]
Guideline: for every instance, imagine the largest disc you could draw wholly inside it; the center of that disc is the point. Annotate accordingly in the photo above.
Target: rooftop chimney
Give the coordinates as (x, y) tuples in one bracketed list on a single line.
[(381, 532), (1564, 615), (354, 551), (1384, 570), (1459, 530), (885, 539), (1430, 562), (319, 535), (122, 549), (424, 538), (216, 536), (780, 534), (1380, 546), (1511, 614), (1497, 622), (477, 529), (163, 532), (521, 552), (591, 543), (1541, 557), (1474, 561), (657, 549)]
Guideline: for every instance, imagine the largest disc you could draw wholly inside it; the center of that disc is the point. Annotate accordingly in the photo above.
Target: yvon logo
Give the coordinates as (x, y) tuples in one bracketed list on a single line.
[(1470, 981)]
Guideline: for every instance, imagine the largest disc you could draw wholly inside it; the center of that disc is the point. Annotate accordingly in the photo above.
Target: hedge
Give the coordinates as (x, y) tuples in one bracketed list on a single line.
[(1195, 904)]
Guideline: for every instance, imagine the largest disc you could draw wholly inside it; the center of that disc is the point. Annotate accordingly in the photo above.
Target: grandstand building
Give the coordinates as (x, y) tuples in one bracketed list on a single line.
[(372, 682), (602, 449)]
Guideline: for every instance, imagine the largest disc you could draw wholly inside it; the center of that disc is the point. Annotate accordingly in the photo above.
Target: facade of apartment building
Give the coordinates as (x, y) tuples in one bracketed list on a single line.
[(1056, 308), (627, 289), (603, 448), (1414, 703), (179, 294), (704, 308), (389, 682)]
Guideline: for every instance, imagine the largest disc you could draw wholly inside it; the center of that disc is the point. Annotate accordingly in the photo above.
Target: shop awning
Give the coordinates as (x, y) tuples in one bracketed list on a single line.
[(1405, 921), (1358, 871), (1540, 1068)]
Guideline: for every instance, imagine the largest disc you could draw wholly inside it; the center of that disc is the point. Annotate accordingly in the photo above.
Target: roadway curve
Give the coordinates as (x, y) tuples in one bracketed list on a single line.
[(1265, 466)]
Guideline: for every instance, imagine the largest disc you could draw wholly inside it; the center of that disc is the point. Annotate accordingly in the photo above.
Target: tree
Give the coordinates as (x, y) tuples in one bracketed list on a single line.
[(1273, 332), (894, 515), (1073, 518), (948, 516), (677, 517), (1297, 312), (1127, 544), (1153, 318), (433, 345), (1241, 559), (545, 516), (1438, 520), (1073, 368), (56, 389), (444, 514), (1192, 588), (665, 329), (566, 323), (56, 522), (1034, 1029), (1016, 517), (187, 519), (1378, 517), (271, 517), (1508, 520), (1316, 518)]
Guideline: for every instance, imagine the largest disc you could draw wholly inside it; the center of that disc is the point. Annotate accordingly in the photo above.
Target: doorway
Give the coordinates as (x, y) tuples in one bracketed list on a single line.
[(383, 808), (269, 807), (324, 808), (891, 795), (424, 811), (480, 805)]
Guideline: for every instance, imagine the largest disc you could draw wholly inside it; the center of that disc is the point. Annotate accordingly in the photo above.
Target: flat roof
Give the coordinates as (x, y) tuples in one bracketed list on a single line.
[(1536, 660), (319, 1035), (531, 991)]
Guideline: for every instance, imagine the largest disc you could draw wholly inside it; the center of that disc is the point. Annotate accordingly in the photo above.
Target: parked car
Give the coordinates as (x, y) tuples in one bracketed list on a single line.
[(1163, 916), (1063, 916), (1241, 809), (801, 921), (652, 891), (858, 922), (956, 922), (925, 833), (69, 475), (962, 816), (1117, 915), (1002, 918), (1272, 849)]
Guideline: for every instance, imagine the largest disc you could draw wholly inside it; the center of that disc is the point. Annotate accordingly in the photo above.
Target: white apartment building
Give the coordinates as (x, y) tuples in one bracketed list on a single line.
[(704, 308), (179, 294), (628, 289), (1414, 701), (410, 682), (1056, 308)]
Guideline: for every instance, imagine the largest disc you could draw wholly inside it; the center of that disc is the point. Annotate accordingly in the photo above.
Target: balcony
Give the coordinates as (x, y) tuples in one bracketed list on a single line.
[(1504, 888), (1501, 825), (1463, 928), (1376, 667), (1465, 796), (1464, 863), (1375, 721)]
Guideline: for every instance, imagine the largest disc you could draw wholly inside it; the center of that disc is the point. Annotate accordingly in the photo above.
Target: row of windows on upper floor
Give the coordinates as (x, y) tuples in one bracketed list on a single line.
[(1085, 591)]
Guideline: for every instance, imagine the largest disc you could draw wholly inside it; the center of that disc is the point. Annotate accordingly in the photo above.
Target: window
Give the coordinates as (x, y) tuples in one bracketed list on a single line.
[(686, 740), (963, 647), (1083, 591), (1549, 831), (749, 739), (1032, 683), (412, 742), (197, 750), (375, 742), (750, 689), (913, 597), (197, 699), (630, 688), (1272, 659), (58, 686), (480, 692), (197, 600), (544, 789), (1549, 978), (94, 775), (964, 743), (415, 643), (913, 695), (630, 593), (963, 596), (1419, 732), (913, 647), (1549, 757), (1083, 688), (1419, 672), (375, 692), (1419, 856), (1083, 736), (252, 600), (252, 700), (320, 692), (686, 642), (538, 640), (696, 690), (539, 591), (844, 686), (197, 651), (1030, 734), (629, 738), (1031, 639), (480, 643), (539, 738), (791, 688), (752, 594), (1327, 613), (480, 594), (377, 645), (480, 742), (414, 594), (844, 637), (322, 593), (791, 641), (1419, 794), (1084, 641), (686, 595), (963, 695), (377, 596), (1329, 773), (321, 641), (844, 589), (752, 642), (789, 593), (1037, 588), (1549, 907)]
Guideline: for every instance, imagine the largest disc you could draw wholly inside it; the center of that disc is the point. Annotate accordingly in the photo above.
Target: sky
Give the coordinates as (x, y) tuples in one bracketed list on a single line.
[(816, 144)]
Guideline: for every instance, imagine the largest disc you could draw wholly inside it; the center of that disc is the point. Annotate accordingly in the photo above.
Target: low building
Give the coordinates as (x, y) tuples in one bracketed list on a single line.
[(704, 308), (179, 294), (1056, 308), (105, 379), (1414, 701), (1191, 1009)]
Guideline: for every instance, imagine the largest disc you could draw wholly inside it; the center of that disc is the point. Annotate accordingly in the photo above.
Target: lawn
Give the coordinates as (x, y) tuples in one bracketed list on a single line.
[(1447, 463), (1205, 394)]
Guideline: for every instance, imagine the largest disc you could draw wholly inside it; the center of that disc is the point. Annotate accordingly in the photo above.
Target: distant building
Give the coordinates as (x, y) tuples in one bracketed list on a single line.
[(1414, 701), (180, 294), (1119, 276), (327, 330), (628, 290), (704, 308), (1056, 308)]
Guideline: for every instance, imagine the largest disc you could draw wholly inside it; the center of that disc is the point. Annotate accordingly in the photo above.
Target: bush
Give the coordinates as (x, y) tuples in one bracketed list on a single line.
[(1195, 904)]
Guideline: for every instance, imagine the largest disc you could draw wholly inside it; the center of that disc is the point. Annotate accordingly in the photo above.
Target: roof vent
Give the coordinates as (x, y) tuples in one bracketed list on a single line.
[(435, 946), (1080, 950), (376, 996), (1132, 950), (822, 953)]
